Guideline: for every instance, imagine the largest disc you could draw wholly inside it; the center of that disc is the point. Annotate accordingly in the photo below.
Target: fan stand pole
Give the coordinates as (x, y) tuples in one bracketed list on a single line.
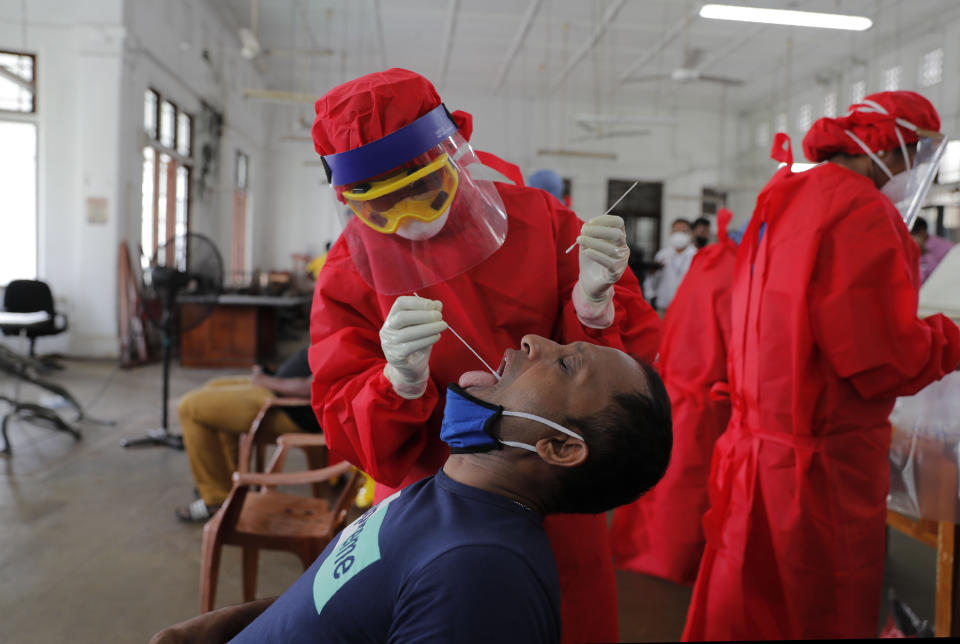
[(162, 437)]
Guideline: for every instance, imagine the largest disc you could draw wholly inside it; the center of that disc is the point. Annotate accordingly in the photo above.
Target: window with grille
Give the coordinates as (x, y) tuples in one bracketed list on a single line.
[(830, 104), (857, 91), (18, 82), (167, 164), (238, 247), (931, 68), (763, 135), (780, 123), (804, 118), (891, 78)]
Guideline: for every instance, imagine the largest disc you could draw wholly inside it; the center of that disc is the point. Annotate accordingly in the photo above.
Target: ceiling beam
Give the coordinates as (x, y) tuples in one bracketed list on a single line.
[(608, 16), (668, 37), (448, 39), (518, 38)]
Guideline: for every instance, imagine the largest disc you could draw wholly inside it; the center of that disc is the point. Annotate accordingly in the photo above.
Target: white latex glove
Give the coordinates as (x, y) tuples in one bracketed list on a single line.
[(603, 259), (412, 327)]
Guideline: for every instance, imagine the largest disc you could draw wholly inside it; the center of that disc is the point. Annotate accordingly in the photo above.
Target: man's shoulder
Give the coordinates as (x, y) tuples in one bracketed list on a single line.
[(506, 564)]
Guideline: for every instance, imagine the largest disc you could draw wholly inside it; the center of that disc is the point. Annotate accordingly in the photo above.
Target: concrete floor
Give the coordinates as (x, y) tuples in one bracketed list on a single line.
[(90, 550)]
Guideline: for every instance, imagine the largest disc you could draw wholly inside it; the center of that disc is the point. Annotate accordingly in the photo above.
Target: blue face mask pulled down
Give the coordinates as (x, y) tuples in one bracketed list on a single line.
[(468, 424)]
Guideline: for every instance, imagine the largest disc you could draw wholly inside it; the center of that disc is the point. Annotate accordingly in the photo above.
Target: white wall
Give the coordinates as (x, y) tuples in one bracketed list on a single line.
[(301, 213), (78, 101), (94, 61)]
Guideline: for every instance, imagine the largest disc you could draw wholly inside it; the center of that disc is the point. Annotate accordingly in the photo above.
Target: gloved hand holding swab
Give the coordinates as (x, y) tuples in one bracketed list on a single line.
[(615, 203), (472, 350)]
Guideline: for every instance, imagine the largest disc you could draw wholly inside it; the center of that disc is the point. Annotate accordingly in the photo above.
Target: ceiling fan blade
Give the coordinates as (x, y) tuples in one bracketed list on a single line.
[(589, 127), (692, 57), (720, 79), (648, 79), (616, 134), (299, 52)]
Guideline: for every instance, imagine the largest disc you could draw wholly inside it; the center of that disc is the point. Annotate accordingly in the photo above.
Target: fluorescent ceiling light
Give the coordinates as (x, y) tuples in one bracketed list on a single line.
[(785, 17)]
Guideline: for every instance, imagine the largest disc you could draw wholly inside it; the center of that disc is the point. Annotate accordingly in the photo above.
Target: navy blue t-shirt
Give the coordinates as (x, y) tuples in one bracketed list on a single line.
[(437, 562)]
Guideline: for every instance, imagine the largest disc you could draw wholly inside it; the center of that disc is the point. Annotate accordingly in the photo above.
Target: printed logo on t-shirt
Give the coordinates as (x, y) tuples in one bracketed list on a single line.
[(357, 548)]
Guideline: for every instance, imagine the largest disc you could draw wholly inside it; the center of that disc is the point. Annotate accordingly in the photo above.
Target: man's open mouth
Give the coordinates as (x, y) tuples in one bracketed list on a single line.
[(483, 378)]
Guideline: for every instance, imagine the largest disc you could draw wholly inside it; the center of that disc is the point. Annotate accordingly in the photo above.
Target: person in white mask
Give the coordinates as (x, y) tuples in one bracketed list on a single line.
[(673, 261)]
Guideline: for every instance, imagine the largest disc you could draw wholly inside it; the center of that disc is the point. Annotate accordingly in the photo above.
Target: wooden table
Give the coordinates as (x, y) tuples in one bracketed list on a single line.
[(942, 535), (240, 331)]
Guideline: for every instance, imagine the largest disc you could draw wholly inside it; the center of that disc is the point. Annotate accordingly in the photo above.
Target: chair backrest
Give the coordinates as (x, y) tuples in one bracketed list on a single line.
[(28, 296)]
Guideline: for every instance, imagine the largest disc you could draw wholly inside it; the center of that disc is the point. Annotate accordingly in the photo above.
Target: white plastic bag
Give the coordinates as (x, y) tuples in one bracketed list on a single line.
[(925, 452)]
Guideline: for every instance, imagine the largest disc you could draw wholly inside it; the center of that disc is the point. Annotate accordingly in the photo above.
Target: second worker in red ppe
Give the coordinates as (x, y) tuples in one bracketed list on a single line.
[(825, 336), (432, 248), (660, 534)]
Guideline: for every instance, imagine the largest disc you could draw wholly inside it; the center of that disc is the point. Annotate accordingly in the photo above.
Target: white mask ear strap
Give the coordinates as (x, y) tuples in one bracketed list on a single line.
[(903, 147), (874, 157), (543, 421), (877, 107), (529, 448)]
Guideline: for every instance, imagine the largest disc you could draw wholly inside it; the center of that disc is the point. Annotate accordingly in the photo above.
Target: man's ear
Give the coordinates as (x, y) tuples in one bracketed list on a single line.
[(564, 451)]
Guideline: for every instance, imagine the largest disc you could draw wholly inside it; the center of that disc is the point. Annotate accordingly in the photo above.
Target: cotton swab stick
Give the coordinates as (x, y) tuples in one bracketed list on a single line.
[(460, 337), (572, 246)]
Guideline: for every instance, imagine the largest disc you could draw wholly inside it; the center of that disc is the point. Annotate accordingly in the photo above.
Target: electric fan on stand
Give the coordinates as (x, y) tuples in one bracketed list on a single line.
[(190, 267)]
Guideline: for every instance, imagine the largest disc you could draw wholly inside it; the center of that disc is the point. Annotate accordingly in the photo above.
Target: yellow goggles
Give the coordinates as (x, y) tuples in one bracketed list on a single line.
[(424, 195)]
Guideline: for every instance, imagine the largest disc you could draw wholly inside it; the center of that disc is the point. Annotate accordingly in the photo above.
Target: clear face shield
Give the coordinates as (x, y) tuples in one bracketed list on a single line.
[(920, 176), (416, 215)]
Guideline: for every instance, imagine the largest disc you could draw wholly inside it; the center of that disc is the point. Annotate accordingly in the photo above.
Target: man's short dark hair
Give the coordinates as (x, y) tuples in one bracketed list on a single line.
[(919, 226), (628, 444), (679, 220), (701, 221)]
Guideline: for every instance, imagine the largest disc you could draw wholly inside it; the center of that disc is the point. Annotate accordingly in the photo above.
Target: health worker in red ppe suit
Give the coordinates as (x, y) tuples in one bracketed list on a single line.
[(825, 336), (661, 534), (430, 248)]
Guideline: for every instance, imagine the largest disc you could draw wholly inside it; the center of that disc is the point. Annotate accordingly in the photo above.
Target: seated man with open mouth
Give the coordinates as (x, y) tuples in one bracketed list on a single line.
[(462, 556)]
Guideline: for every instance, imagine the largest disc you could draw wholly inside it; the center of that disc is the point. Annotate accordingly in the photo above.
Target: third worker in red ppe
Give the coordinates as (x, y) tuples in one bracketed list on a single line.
[(825, 336), (660, 534), (432, 248)]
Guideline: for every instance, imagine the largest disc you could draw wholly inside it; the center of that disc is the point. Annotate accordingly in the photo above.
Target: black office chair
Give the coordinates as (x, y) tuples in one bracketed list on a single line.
[(30, 296)]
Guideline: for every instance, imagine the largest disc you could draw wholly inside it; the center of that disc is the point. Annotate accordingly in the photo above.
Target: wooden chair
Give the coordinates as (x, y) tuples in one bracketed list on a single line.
[(253, 444), (268, 519)]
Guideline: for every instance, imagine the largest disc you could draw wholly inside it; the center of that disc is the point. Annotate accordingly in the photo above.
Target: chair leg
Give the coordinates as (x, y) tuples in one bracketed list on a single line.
[(316, 459), (250, 561), (209, 566), (3, 430)]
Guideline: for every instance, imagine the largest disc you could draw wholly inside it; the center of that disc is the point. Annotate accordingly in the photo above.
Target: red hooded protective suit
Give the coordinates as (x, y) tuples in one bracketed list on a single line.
[(660, 534), (825, 337), (524, 287)]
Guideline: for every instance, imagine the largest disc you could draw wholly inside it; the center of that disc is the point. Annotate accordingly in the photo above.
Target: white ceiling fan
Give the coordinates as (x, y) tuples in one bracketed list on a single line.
[(687, 72), (251, 49), (610, 126)]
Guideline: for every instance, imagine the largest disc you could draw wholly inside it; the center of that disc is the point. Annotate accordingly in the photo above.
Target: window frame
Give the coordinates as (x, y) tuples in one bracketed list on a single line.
[(34, 108), (176, 160)]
